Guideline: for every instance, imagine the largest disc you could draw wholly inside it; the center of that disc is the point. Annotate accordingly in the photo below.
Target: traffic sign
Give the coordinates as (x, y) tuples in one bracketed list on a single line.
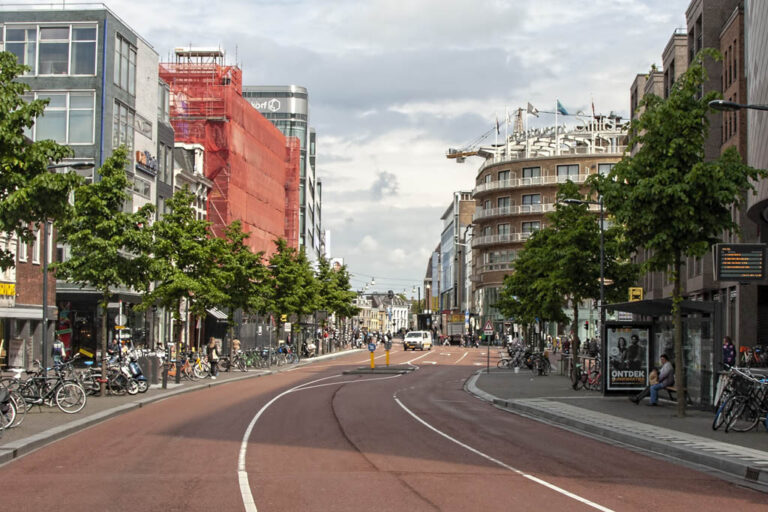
[(635, 294), (372, 347), (120, 319), (488, 328)]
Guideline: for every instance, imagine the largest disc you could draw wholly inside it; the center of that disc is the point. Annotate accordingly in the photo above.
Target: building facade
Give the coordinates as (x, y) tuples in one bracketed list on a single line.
[(515, 189), (287, 107), (101, 79)]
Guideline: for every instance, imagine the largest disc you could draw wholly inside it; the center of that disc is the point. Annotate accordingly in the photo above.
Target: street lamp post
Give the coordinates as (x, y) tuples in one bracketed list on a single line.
[(44, 348), (732, 106)]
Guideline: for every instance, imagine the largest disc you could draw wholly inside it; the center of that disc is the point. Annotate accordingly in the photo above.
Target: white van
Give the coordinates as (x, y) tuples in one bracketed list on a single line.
[(418, 339)]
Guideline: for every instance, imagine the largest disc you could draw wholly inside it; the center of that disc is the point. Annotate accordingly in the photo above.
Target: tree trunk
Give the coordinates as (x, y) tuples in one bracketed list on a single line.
[(103, 383), (575, 343), (677, 318)]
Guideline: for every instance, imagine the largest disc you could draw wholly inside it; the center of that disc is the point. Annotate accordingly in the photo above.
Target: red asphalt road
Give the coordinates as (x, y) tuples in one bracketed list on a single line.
[(344, 443)]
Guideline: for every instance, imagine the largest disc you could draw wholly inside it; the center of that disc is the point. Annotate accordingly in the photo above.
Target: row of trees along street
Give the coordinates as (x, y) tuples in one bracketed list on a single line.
[(172, 259), (664, 198)]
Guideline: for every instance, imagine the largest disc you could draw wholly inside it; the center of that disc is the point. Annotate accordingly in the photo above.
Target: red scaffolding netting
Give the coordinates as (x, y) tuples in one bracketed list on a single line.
[(253, 166)]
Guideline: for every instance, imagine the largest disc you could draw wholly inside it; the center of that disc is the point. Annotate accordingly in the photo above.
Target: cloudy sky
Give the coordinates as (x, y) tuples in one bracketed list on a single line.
[(393, 84)]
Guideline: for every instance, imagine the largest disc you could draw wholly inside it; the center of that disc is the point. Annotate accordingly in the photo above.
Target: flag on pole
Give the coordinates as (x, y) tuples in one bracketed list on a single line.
[(498, 129), (533, 110), (561, 108), (593, 108)]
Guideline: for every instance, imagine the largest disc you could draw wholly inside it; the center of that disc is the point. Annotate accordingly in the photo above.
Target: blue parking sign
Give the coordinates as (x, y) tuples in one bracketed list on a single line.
[(372, 347)]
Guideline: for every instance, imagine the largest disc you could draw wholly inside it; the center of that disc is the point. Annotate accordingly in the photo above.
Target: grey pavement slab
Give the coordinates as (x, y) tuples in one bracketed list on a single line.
[(655, 429)]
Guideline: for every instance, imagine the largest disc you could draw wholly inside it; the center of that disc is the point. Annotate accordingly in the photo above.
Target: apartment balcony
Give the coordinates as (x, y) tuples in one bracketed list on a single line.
[(527, 182), (506, 211), (508, 238)]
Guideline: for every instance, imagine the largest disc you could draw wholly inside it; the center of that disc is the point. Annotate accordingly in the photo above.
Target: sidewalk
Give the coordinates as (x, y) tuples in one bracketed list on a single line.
[(741, 456), (43, 425)]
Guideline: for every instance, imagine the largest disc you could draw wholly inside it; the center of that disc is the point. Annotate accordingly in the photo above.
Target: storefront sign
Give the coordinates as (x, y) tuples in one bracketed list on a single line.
[(145, 162), (627, 348), (8, 289), (272, 105)]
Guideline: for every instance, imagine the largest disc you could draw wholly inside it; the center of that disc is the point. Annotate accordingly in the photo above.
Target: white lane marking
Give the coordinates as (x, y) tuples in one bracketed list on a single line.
[(416, 359), (496, 461), (242, 474), (462, 357)]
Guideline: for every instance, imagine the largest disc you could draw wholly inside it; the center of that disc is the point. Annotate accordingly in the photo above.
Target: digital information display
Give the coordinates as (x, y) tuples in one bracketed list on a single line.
[(740, 262)]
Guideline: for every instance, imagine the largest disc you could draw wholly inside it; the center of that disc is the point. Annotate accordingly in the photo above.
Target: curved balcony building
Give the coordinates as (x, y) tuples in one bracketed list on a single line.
[(517, 186)]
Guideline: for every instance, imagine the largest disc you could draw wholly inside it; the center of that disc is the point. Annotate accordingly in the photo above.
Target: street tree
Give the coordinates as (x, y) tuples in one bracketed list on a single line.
[(333, 290), (108, 247), (242, 272), (563, 265), (29, 192), (292, 286), (670, 200), (185, 262)]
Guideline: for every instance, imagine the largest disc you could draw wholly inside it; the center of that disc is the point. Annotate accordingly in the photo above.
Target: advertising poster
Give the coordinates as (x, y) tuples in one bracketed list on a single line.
[(627, 357)]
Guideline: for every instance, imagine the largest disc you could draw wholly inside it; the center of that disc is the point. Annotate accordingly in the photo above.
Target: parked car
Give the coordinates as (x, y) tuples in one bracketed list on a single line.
[(418, 340)]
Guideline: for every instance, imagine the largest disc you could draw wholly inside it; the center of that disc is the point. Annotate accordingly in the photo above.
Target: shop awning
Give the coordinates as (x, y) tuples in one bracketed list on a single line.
[(217, 314)]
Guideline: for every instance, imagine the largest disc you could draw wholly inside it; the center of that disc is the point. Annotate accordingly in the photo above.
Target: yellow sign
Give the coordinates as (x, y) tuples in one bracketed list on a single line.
[(635, 294), (86, 353), (283, 318), (8, 289), (119, 327)]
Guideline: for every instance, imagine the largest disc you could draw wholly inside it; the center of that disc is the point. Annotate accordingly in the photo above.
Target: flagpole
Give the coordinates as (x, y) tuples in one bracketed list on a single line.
[(506, 132), (557, 133), (496, 143)]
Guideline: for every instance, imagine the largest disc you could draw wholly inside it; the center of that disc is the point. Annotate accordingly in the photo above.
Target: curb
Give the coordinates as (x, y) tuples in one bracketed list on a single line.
[(21, 447), (754, 477)]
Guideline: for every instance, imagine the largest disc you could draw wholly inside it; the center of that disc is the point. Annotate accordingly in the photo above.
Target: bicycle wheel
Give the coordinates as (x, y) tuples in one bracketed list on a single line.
[(199, 371), (70, 398), (744, 416), (503, 363), (241, 365), (118, 385), (21, 408), (143, 385), (594, 381), (723, 412), (8, 416)]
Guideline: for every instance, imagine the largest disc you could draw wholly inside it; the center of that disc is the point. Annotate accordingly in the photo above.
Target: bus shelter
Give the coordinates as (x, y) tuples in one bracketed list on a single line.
[(633, 346)]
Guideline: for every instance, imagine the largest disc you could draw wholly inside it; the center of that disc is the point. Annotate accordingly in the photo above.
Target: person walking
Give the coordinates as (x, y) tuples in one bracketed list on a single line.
[(729, 352), (213, 357)]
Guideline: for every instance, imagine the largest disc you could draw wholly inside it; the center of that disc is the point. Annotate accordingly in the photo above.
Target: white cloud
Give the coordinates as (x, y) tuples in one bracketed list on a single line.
[(393, 85)]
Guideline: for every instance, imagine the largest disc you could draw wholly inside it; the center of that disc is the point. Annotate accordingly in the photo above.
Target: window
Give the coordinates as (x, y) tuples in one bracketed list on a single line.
[(531, 199), (68, 49), (604, 169), (503, 202), (36, 247), (530, 227), (122, 127), (503, 175), (487, 231), (68, 118), (22, 42), (487, 178), (23, 250), (531, 172), (503, 229), (163, 102), (567, 172), (142, 187), (487, 204), (125, 65)]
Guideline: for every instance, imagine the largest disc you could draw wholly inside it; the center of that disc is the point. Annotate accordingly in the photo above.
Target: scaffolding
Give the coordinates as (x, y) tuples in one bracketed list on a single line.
[(253, 166)]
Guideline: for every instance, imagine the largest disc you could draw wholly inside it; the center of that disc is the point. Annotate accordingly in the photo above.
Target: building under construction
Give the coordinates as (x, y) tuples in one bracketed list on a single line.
[(253, 166)]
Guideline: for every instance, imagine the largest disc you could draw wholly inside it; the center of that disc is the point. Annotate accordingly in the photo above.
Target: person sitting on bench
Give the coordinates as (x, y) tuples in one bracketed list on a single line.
[(666, 378)]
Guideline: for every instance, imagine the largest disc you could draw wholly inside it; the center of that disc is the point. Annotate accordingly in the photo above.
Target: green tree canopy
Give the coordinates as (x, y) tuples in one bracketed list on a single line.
[(29, 192), (292, 285), (672, 202), (333, 289)]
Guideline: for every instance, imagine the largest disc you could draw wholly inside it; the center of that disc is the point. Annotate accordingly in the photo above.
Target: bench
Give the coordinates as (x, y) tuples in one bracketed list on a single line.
[(673, 389)]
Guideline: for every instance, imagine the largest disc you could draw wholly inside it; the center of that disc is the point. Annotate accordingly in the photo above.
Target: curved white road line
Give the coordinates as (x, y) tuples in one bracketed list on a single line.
[(462, 357), (505, 466), (242, 474)]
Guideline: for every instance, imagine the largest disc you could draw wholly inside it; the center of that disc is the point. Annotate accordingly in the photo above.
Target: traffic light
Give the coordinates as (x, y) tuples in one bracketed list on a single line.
[(586, 325)]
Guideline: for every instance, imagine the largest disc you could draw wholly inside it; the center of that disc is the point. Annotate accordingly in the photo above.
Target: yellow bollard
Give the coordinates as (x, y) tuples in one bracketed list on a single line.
[(387, 357), (373, 365)]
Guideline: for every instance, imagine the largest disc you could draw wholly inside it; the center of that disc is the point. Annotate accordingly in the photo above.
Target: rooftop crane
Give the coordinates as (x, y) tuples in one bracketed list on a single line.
[(470, 149)]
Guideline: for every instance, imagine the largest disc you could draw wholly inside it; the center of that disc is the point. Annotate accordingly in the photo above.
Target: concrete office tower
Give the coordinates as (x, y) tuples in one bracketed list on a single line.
[(287, 107), (101, 78)]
